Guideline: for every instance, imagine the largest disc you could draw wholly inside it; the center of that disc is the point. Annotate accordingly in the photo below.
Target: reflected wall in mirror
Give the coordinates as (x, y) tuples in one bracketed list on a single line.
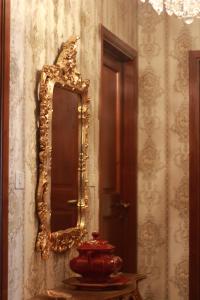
[(62, 193)]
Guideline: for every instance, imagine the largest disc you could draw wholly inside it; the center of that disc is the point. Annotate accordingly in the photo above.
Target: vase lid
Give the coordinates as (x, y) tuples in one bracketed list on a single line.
[(96, 244)]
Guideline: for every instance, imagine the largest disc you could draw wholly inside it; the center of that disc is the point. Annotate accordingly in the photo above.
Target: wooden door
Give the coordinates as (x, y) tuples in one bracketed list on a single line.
[(4, 117), (194, 202), (118, 148)]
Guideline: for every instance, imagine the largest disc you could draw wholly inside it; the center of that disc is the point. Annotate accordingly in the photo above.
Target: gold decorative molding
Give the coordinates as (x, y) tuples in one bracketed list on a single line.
[(65, 74)]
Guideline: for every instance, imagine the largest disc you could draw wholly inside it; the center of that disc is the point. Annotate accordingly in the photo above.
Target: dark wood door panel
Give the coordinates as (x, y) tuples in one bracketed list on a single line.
[(118, 148), (110, 139), (110, 151)]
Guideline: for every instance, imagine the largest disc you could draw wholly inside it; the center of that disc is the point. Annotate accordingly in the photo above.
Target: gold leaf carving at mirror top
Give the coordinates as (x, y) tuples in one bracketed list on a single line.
[(63, 73)]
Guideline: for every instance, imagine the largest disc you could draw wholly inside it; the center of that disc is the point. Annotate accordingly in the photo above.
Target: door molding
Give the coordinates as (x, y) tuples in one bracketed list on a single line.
[(4, 136), (118, 49), (194, 178)]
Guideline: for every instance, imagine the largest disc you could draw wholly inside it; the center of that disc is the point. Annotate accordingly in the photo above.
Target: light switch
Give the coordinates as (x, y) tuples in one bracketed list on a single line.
[(19, 180)]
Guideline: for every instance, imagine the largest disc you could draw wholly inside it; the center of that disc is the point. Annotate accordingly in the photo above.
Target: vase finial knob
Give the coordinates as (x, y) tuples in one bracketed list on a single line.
[(95, 235)]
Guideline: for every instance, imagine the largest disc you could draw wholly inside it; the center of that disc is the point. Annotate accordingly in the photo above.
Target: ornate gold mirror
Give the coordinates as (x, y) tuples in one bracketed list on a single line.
[(62, 193)]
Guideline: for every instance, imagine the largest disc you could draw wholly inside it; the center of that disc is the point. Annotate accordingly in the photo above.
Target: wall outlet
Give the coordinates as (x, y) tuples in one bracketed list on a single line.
[(19, 180)]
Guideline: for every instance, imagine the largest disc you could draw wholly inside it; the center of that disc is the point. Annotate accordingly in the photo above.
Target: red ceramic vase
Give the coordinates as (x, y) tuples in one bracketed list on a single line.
[(96, 261)]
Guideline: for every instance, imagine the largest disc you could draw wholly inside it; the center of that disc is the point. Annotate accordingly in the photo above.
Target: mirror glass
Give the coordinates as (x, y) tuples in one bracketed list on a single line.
[(66, 141)]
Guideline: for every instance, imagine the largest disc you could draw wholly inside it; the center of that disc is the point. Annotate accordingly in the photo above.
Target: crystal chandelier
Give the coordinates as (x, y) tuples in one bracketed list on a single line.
[(185, 9)]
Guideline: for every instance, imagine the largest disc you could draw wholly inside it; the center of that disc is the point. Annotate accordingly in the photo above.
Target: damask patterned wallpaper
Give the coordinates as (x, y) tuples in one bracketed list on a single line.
[(37, 30), (163, 44)]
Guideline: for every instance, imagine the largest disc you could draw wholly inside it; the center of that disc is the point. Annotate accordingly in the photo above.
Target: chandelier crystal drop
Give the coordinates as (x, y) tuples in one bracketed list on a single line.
[(184, 9)]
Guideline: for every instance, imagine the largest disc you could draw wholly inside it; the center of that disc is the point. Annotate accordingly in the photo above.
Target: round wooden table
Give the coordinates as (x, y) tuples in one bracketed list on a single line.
[(128, 292)]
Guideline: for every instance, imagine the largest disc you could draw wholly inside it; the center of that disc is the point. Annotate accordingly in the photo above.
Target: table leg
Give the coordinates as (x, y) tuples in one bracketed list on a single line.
[(135, 295)]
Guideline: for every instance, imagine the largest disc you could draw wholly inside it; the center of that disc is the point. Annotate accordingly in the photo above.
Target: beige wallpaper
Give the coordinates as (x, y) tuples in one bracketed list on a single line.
[(37, 30), (38, 27), (163, 44)]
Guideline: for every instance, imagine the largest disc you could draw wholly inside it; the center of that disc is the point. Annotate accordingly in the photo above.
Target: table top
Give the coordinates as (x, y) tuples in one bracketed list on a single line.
[(69, 292)]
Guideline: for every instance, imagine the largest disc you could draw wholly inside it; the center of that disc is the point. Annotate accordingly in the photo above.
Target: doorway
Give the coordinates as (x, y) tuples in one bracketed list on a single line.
[(194, 185), (4, 116), (118, 147)]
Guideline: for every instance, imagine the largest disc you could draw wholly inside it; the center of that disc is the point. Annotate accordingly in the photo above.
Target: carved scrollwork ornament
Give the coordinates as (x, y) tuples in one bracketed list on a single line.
[(65, 74)]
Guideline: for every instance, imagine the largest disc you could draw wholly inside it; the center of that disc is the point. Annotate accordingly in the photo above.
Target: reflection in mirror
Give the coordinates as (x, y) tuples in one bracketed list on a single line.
[(62, 191), (65, 155)]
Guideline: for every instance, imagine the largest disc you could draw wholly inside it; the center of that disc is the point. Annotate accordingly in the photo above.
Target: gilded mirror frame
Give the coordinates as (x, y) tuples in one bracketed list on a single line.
[(63, 73)]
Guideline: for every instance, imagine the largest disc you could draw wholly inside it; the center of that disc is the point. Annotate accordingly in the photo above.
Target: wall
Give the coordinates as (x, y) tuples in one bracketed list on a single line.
[(163, 44), (37, 30)]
